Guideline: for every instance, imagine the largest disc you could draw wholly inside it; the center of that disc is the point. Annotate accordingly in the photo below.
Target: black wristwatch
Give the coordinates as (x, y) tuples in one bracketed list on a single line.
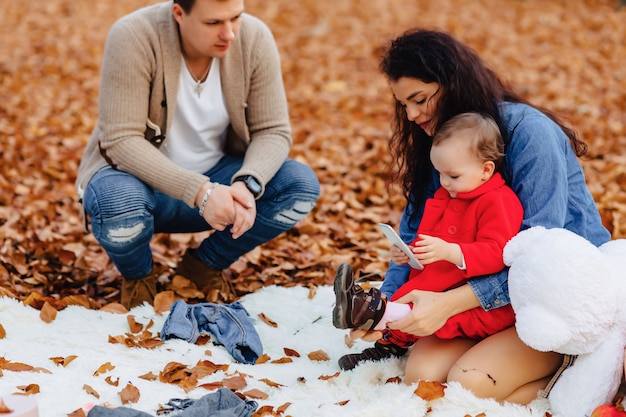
[(251, 183)]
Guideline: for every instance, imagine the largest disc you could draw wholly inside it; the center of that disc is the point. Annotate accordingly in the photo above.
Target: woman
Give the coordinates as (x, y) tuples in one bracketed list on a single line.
[(433, 78)]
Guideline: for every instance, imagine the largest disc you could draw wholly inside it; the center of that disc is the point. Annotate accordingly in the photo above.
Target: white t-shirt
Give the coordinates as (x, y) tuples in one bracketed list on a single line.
[(198, 131)]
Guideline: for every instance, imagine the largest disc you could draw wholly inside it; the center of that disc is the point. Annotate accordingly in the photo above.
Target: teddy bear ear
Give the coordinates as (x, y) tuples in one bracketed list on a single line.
[(521, 242)]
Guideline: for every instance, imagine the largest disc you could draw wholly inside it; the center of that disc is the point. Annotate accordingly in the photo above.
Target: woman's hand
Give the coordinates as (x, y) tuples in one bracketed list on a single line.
[(367, 335), (397, 256), (430, 312)]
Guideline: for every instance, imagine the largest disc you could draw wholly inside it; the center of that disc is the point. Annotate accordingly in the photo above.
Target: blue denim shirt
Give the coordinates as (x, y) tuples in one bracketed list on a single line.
[(543, 170)]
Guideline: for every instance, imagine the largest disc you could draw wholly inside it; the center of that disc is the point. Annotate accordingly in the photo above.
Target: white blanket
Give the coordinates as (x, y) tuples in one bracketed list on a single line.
[(303, 325)]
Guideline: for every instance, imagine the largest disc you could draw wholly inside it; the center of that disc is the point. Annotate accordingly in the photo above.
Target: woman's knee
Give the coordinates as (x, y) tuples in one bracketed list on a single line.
[(478, 381)]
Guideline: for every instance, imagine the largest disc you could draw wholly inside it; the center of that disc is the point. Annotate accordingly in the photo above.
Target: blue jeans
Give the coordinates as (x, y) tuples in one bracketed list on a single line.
[(125, 213), (230, 324)]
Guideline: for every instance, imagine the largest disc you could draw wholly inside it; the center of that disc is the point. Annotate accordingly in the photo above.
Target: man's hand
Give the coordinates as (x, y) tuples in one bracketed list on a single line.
[(245, 209), (228, 205)]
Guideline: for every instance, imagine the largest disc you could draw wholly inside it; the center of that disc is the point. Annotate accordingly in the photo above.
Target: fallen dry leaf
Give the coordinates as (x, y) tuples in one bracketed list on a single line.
[(104, 368), (263, 359), (130, 394), (429, 390), (163, 301), (327, 377), (291, 352), (63, 361), (133, 325), (235, 383), (283, 360), (3, 332), (256, 394), (48, 313), (29, 389), (271, 383), (79, 412), (113, 382), (4, 408), (89, 390), (319, 355), (267, 320)]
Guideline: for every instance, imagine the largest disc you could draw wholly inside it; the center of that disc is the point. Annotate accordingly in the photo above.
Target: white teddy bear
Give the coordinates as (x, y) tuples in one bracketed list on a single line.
[(568, 295)]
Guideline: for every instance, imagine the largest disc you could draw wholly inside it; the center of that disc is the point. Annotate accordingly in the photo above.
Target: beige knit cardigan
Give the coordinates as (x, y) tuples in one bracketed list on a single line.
[(138, 90)]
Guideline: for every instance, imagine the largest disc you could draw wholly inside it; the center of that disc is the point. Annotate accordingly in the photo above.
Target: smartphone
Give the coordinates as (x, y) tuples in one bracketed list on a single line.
[(395, 239)]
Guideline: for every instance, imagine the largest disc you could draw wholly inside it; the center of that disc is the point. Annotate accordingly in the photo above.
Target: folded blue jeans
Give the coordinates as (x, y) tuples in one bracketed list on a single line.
[(229, 323), (222, 403)]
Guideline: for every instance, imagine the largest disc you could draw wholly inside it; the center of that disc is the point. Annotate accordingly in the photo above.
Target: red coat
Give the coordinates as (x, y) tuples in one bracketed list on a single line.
[(481, 222)]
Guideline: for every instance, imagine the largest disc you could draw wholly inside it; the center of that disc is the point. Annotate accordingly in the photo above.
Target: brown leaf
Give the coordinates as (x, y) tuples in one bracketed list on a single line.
[(256, 394), (114, 308), (149, 376), (235, 383), (29, 389), (283, 360), (163, 301), (4, 408), (48, 313), (429, 390), (267, 320), (291, 352), (212, 386), (113, 382), (327, 377), (79, 412), (133, 325), (63, 361), (263, 359), (3, 332), (271, 383), (91, 391), (319, 355), (105, 367), (266, 410), (130, 394)]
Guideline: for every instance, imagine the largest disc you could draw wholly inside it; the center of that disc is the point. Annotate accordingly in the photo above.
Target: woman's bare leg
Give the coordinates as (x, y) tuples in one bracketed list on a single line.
[(431, 358), (503, 367)]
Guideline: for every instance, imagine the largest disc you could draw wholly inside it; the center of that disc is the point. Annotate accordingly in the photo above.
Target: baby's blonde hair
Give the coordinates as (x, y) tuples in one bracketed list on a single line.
[(481, 132)]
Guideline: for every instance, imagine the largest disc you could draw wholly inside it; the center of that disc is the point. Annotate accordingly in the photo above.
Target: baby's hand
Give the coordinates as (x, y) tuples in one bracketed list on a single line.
[(397, 256)]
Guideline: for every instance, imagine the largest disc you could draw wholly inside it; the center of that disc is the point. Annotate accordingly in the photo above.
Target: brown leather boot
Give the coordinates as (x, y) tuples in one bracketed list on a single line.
[(214, 283), (354, 307), (137, 291)]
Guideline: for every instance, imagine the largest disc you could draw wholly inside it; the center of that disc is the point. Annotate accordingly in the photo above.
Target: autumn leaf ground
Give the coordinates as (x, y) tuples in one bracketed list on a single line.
[(566, 55)]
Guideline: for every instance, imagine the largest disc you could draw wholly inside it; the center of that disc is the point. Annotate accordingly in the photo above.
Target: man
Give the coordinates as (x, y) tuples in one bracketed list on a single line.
[(193, 134)]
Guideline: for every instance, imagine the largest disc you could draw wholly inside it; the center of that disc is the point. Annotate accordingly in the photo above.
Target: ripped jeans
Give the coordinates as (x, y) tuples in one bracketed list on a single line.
[(125, 213)]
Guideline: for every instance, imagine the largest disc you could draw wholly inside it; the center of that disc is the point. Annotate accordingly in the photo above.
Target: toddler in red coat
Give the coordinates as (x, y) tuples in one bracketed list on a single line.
[(462, 234)]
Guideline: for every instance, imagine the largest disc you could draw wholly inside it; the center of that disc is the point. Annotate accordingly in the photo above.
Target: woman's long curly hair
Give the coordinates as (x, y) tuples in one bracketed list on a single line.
[(466, 84)]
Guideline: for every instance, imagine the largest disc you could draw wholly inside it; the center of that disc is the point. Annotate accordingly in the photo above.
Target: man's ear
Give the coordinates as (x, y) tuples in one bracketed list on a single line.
[(178, 12)]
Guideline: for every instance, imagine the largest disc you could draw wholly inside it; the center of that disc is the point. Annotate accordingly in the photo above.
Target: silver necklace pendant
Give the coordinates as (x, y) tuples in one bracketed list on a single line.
[(198, 88)]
